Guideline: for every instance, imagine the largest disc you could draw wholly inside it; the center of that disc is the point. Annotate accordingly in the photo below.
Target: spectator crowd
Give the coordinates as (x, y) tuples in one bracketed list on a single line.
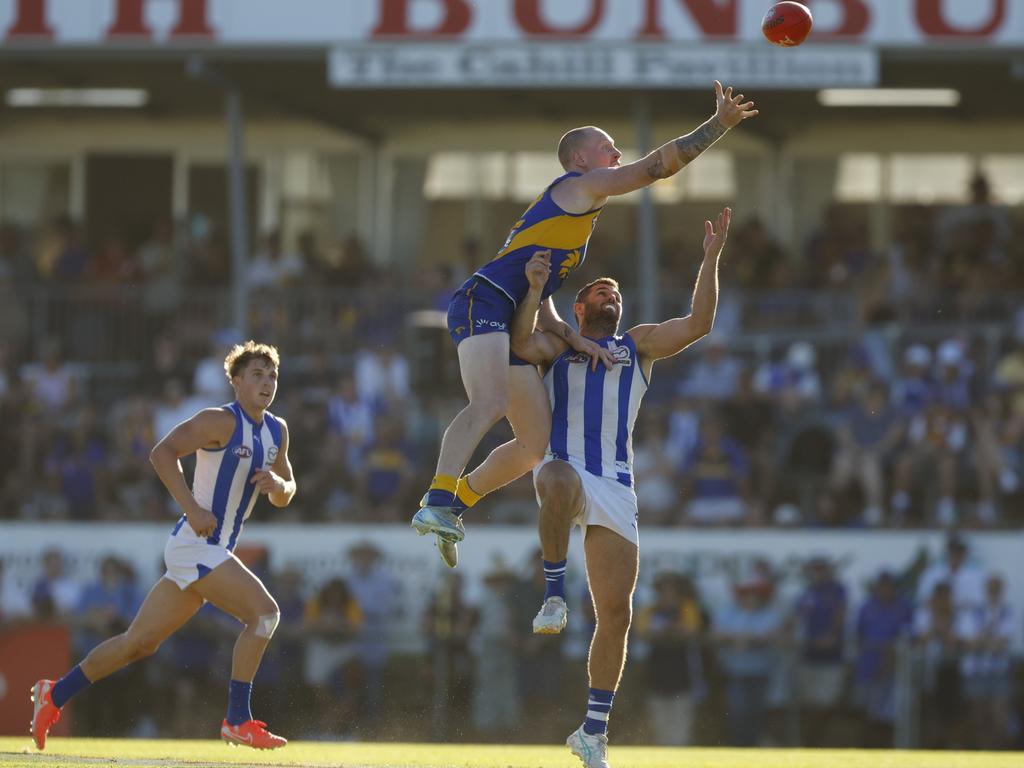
[(924, 654)]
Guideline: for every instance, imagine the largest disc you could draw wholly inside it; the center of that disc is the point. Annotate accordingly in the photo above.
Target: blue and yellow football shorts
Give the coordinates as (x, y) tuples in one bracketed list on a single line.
[(478, 308)]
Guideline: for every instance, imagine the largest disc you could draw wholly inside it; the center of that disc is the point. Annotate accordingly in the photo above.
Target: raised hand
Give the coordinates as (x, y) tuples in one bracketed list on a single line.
[(592, 349), (732, 110), (716, 234), (538, 269)]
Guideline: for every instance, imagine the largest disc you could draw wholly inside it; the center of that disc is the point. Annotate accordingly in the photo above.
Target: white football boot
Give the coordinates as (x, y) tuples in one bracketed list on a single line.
[(552, 617), (592, 750)]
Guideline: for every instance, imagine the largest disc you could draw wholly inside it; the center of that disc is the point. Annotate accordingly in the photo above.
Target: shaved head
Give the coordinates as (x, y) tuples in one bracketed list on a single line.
[(573, 141)]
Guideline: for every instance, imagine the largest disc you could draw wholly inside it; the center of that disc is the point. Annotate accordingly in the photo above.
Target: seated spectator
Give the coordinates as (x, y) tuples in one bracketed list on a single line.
[(78, 462), (913, 391), (351, 416), (930, 459), (272, 268), (387, 473), (715, 375), (792, 379), (715, 480), (52, 383), (868, 431), (1009, 371), (382, 375), (954, 376), (653, 472)]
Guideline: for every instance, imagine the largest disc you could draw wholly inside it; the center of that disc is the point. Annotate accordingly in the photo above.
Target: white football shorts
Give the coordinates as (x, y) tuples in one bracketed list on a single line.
[(188, 558), (607, 503)]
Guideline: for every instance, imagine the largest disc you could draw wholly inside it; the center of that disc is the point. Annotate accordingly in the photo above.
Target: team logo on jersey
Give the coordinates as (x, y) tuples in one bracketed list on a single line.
[(621, 356), (272, 454), (572, 260), (243, 452)]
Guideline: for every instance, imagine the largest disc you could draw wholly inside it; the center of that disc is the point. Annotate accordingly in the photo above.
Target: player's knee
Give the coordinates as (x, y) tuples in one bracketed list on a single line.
[(558, 483), (264, 619), (266, 624), (142, 644), (617, 615)]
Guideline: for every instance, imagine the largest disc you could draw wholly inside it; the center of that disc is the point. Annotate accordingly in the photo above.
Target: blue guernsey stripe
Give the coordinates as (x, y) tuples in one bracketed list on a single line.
[(622, 432), (274, 426), (257, 463), (593, 405), (225, 476), (560, 411)]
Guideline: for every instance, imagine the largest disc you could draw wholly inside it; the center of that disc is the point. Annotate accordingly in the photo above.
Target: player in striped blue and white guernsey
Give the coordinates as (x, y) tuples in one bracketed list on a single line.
[(586, 478), (241, 453)]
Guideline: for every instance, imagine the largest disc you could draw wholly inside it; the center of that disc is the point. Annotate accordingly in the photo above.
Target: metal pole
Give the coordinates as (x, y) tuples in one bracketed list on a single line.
[(237, 209), (646, 242)]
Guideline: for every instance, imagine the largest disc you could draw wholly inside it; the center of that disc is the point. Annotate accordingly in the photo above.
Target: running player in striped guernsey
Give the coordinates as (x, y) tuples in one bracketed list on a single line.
[(241, 452), (498, 384), (587, 474)]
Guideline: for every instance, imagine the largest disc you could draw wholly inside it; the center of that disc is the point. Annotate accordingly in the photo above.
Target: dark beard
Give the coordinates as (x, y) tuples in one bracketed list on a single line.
[(598, 324)]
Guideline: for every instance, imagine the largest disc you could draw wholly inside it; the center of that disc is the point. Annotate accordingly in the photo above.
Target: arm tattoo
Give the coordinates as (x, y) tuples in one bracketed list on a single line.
[(692, 144), (657, 170)]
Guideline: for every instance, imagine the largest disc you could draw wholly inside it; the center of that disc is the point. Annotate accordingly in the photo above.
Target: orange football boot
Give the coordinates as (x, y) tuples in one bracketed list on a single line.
[(45, 713), (251, 733)]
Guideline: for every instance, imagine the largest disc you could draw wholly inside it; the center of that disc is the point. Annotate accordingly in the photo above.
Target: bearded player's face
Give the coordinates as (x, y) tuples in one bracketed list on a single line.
[(602, 307)]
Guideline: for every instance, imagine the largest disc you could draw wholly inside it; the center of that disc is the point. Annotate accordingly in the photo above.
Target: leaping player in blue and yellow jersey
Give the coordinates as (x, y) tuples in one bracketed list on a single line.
[(241, 452), (480, 314)]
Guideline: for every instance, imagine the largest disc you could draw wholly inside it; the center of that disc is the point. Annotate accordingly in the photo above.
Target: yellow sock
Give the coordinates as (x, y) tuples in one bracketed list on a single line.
[(444, 483), (466, 494)]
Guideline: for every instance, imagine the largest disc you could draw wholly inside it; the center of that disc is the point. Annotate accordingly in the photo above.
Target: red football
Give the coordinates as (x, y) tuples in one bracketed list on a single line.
[(787, 24)]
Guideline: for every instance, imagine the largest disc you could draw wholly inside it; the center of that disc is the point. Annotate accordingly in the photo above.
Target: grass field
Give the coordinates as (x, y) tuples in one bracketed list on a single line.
[(79, 753)]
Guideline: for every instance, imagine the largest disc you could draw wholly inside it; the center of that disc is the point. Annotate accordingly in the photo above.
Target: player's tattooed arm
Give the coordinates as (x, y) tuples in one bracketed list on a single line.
[(693, 144), (730, 111)]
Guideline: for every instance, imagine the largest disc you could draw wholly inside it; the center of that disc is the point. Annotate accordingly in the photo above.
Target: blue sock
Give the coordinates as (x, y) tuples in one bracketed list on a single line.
[(554, 576), (438, 498), (598, 709), (238, 702), (73, 682)]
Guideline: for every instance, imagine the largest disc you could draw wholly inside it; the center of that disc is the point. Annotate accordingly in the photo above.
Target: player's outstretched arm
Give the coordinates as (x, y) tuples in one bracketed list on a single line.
[(529, 342), (210, 428), (673, 336), (670, 158), (277, 482)]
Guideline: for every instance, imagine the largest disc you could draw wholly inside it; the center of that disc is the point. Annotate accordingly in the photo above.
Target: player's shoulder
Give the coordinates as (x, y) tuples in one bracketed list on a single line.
[(276, 420), (222, 414)]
